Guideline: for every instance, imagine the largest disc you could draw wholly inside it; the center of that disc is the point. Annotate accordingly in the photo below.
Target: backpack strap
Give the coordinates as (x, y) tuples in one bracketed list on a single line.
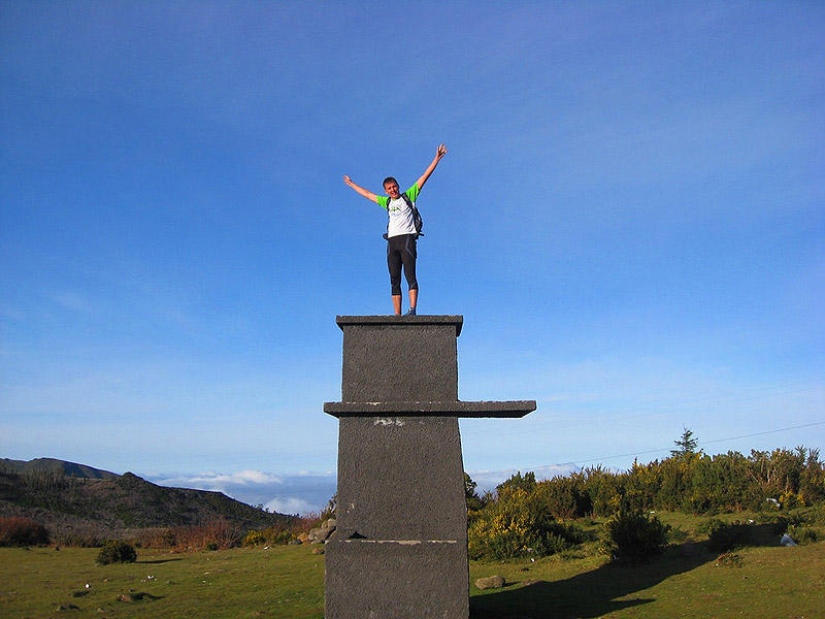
[(416, 215), (419, 223)]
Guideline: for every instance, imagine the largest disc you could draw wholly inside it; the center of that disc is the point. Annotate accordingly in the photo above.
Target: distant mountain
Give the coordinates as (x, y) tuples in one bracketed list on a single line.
[(70, 496), (50, 465)]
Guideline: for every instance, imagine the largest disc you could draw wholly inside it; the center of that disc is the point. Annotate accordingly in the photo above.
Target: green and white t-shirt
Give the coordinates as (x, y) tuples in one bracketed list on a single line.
[(401, 217)]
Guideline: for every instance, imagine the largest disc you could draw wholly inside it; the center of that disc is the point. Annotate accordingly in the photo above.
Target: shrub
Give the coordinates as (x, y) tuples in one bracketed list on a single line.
[(272, 535), (565, 496), (116, 552), (728, 559), (724, 537), (155, 537), (518, 524), (804, 535), (213, 535), (602, 490), (634, 536), (254, 537), (22, 532), (814, 515), (80, 535)]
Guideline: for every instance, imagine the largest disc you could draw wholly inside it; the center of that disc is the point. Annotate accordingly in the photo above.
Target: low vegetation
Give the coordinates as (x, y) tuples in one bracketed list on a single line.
[(524, 517), (22, 532), (687, 580), (634, 536), (686, 536), (90, 510), (518, 523), (116, 552)]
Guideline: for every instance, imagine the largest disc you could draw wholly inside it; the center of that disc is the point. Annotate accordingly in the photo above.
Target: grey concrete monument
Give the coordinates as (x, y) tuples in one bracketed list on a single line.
[(400, 547)]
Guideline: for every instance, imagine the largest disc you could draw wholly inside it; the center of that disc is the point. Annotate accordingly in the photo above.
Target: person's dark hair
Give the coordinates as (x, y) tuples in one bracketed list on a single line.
[(389, 179)]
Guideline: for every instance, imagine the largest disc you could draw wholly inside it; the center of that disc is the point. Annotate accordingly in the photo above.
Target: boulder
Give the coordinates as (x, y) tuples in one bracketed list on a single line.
[(319, 535), (491, 582)]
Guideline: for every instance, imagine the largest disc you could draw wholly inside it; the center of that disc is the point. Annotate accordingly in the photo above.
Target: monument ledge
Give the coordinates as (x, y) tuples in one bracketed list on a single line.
[(482, 409)]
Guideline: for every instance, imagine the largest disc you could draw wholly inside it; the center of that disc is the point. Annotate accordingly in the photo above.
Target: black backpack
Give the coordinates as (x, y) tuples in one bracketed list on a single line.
[(417, 221)]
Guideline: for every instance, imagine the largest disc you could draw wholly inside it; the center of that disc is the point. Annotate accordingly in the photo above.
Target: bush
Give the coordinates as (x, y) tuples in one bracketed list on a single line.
[(565, 497), (805, 525), (728, 559), (213, 535), (254, 538), (22, 532), (79, 535), (518, 524), (634, 536), (804, 535), (271, 536), (724, 537), (116, 552), (155, 537), (813, 515)]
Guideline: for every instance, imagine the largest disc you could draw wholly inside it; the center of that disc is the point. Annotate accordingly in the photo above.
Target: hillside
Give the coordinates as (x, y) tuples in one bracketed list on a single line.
[(51, 465), (69, 496)]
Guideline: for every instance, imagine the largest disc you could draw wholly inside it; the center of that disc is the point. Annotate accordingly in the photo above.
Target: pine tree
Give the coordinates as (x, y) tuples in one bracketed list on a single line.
[(686, 445)]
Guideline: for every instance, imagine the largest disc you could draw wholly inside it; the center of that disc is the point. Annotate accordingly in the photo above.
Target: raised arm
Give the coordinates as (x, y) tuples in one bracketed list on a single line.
[(360, 190), (439, 153)]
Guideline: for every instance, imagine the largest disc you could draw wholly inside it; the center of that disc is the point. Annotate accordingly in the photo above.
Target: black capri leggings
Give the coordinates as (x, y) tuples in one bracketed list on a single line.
[(402, 250)]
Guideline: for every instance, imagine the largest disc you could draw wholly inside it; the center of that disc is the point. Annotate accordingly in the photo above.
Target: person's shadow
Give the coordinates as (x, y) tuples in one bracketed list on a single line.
[(592, 594)]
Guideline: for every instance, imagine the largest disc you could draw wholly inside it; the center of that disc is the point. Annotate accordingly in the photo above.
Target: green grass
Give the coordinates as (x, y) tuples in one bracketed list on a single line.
[(288, 582), (763, 583), (285, 581)]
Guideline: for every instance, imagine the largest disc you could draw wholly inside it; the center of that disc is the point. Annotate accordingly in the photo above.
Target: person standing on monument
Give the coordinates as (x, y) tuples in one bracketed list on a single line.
[(401, 231)]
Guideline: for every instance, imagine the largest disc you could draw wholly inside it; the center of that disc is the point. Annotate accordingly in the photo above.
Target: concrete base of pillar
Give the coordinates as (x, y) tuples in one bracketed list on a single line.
[(396, 579), (401, 521)]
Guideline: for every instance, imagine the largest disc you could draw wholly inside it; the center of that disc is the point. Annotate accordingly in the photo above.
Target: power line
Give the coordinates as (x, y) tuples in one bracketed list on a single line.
[(557, 418), (735, 438), (720, 440)]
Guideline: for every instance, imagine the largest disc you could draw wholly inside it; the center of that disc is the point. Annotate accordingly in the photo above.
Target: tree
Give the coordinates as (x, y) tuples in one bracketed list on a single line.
[(469, 487), (474, 502), (526, 482), (686, 445)]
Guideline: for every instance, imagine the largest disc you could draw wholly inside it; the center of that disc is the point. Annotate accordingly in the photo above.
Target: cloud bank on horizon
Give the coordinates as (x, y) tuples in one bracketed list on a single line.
[(291, 494), (309, 493)]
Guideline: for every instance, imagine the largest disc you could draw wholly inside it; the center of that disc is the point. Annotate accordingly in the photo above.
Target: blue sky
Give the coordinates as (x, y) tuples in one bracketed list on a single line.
[(630, 219)]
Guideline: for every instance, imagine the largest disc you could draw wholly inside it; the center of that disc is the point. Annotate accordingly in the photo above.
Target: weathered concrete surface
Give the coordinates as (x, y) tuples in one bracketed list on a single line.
[(389, 359), (397, 479), (396, 580), (499, 409), (400, 547)]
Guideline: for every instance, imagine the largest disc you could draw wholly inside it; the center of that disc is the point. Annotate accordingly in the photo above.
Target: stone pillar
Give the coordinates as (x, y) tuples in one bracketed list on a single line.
[(400, 546)]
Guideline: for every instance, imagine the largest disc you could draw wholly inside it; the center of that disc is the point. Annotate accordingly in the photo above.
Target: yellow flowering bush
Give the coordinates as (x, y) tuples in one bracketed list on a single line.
[(517, 524)]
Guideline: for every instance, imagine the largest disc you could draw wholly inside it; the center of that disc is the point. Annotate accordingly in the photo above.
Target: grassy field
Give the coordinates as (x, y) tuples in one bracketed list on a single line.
[(285, 581), (768, 582)]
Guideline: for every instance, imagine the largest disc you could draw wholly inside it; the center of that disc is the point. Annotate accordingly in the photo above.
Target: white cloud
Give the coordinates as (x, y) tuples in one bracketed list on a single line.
[(248, 477), (307, 493), (291, 505), (286, 494)]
